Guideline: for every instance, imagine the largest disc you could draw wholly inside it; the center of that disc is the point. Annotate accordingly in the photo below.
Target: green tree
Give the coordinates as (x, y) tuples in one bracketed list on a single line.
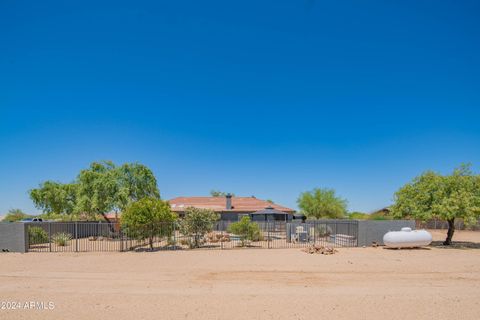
[(198, 222), (246, 230), (148, 218), (135, 181), (447, 197), (97, 190), (105, 187), (54, 197), (322, 203), (14, 215), (216, 193)]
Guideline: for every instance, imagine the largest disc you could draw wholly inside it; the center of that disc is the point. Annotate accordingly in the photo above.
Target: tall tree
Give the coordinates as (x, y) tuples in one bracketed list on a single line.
[(322, 203), (97, 189), (55, 197), (135, 182), (447, 197)]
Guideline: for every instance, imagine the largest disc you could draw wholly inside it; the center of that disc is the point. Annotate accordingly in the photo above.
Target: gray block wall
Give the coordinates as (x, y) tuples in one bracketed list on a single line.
[(373, 230), (13, 237)]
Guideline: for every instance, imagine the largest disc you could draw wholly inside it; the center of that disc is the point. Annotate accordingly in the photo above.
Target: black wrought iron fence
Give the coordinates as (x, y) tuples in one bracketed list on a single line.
[(95, 236)]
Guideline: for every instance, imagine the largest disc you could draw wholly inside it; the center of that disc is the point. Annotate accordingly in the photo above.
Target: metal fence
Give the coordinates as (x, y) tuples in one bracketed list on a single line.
[(95, 236), (441, 224)]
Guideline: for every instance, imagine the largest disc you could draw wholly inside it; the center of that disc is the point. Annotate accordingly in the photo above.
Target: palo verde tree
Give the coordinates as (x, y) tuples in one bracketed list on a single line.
[(322, 203), (435, 196), (148, 218), (196, 223)]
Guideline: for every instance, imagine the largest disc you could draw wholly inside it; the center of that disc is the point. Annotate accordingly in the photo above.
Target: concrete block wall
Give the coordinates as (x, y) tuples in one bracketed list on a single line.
[(373, 230), (13, 237)]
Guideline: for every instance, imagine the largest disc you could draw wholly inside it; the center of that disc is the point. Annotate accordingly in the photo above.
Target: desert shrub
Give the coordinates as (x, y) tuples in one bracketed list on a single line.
[(197, 223), (246, 230), (61, 238), (37, 235)]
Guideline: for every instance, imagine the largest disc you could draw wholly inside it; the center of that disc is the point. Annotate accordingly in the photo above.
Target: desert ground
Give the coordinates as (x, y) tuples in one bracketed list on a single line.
[(356, 283)]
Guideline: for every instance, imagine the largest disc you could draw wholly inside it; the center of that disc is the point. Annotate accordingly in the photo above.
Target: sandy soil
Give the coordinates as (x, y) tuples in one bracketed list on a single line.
[(356, 283)]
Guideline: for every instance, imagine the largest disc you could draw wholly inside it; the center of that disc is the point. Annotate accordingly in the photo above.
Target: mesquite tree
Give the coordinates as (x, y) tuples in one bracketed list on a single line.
[(435, 196)]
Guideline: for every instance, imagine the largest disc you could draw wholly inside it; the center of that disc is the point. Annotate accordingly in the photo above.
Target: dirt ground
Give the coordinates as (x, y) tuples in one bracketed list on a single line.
[(356, 283)]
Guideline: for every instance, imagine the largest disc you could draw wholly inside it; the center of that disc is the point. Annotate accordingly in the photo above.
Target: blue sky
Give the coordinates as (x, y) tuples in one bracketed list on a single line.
[(264, 98)]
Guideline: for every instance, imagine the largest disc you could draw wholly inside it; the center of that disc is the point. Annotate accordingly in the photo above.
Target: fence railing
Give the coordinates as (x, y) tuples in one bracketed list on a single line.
[(95, 236)]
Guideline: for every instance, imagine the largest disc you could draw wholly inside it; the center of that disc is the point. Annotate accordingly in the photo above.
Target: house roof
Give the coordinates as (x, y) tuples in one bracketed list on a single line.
[(269, 210), (218, 204)]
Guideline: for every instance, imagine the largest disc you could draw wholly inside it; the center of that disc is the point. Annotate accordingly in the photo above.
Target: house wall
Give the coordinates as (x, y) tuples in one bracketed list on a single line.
[(13, 237)]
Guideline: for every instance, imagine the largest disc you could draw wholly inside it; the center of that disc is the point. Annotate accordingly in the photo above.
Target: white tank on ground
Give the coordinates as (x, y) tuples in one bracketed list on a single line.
[(407, 238)]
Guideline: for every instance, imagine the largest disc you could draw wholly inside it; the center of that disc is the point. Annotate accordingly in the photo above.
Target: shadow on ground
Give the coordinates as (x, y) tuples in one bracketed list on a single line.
[(416, 248), (456, 245)]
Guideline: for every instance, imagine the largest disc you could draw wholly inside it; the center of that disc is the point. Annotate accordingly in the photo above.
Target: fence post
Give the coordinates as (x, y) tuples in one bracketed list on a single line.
[(174, 235), (76, 236), (221, 227), (120, 234), (50, 237), (268, 235)]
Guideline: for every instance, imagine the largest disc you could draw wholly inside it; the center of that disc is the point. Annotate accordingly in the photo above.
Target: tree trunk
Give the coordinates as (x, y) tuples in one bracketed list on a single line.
[(150, 242), (110, 226), (451, 230), (104, 216)]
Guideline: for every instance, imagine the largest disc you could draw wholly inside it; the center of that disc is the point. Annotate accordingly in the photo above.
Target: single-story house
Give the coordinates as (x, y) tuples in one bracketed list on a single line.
[(233, 208)]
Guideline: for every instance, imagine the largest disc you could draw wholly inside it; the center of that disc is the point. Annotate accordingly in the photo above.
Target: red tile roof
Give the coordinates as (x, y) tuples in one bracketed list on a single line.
[(218, 204)]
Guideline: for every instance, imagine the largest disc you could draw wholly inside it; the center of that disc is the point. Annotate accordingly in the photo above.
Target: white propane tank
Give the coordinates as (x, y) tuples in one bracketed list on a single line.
[(407, 238)]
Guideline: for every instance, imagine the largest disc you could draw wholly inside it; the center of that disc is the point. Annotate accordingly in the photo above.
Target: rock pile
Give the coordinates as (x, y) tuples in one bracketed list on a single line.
[(320, 250)]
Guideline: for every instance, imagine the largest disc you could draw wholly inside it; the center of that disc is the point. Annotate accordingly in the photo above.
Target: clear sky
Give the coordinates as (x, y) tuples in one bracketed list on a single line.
[(264, 98)]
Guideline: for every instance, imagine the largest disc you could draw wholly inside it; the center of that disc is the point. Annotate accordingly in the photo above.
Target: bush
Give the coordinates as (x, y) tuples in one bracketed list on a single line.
[(197, 223), (148, 218), (246, 230), (61, 238), (37, 235)]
